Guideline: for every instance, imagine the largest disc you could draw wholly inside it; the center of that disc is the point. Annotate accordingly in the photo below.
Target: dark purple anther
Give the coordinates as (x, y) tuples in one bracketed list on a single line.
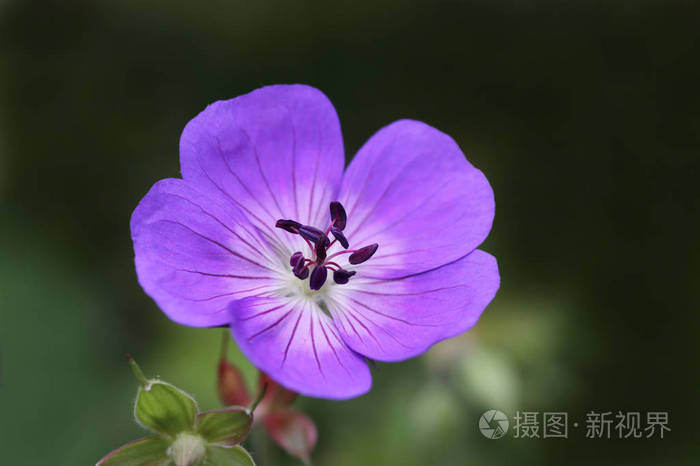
[(298, 265), (340, 237), (300, 270), (288, 225), (296, 258), (316, 268), (321, 247), (318, 277), (342, 276), (338, 216), (302, 273), (312, 234), (363, 254)]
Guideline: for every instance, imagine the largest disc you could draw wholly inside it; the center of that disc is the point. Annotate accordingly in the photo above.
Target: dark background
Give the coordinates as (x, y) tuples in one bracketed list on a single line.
[(583, 115)]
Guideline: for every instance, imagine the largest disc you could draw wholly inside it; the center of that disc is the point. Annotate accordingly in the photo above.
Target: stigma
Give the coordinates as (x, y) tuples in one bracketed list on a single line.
[(316, 266)]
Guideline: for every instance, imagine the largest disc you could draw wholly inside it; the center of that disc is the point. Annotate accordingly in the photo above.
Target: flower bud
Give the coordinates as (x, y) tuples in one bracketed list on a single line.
[(293, 431), (231, 385)]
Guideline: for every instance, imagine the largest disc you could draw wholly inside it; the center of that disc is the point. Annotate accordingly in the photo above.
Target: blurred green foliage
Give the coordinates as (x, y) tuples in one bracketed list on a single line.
[(584, 115)]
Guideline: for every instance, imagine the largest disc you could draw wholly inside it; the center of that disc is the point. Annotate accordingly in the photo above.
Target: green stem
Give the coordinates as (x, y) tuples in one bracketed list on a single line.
[(224, 344), (257, 401)]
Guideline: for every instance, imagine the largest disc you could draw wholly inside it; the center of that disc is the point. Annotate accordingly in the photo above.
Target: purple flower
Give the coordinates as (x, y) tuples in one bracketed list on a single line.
[(263, 211)]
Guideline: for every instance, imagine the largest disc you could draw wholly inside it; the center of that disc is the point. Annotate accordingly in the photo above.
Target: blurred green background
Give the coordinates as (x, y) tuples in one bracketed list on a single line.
[(584, 115)]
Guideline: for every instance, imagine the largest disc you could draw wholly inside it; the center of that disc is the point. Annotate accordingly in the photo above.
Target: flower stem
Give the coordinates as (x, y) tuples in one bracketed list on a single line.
[(257, 401), (224, 344)]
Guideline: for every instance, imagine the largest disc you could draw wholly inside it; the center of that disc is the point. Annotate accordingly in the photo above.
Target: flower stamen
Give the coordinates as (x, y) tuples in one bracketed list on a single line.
[(319, 244)]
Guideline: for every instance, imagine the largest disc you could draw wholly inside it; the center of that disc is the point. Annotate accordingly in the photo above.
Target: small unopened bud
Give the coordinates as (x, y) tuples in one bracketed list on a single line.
[(231, 385), (293, 431)]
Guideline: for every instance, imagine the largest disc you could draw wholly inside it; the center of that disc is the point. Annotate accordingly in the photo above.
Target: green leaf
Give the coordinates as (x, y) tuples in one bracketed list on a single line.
[(149, 451), (164, 408), (228, 456), (228, 426)]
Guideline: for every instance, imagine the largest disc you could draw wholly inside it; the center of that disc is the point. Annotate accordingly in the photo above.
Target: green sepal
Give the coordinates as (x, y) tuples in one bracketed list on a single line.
[(228, 426), (149, 451), (164, 408), (228, 456)]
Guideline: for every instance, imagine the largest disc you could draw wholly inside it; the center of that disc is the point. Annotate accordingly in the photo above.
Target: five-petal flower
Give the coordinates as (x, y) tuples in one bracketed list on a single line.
[(409, 210)]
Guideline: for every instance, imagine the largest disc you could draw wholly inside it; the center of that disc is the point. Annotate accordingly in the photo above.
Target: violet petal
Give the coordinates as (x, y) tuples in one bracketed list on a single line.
[(411, 188), (297, 345), (187, 258), (408, 315), (268, 151)]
